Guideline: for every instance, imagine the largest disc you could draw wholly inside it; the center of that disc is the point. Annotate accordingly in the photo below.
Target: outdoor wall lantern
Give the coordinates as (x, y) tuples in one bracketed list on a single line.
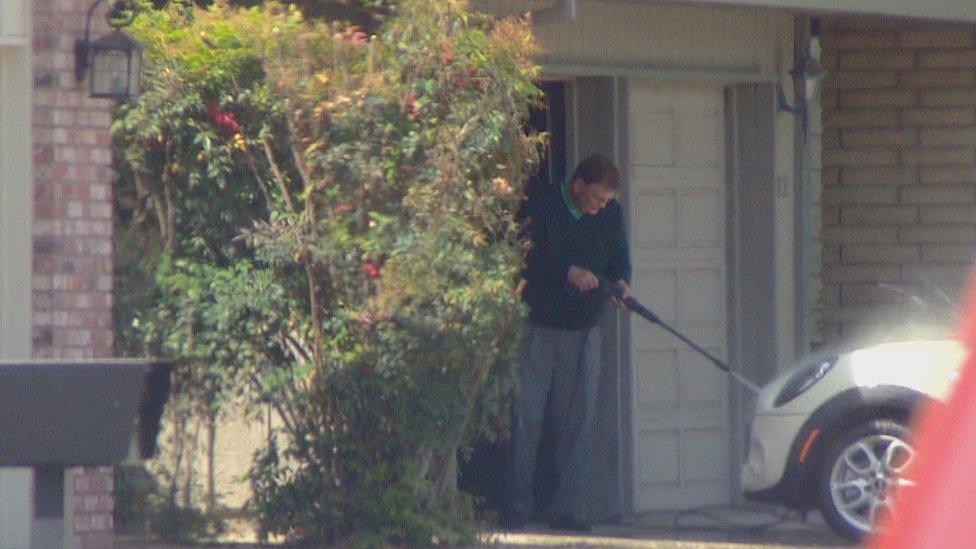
[(114, 60), (807, 75)]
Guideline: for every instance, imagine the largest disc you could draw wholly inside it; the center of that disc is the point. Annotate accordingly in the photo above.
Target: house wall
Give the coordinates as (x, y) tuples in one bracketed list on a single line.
[(608, 43), (957, 10), (899, 166), (686, 43), (681, 44), (72, 230), (613, 38)]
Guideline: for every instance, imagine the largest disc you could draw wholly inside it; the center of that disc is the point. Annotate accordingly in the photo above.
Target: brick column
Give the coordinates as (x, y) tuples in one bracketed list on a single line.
[(72, 230), (899, 158)]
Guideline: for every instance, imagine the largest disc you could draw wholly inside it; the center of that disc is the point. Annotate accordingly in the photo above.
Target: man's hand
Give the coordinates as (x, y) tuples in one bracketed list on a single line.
[(581, 279), (624, 295)]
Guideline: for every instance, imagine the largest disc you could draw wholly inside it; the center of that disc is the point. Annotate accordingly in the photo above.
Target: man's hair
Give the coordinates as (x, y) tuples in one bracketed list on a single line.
[(598, 168)]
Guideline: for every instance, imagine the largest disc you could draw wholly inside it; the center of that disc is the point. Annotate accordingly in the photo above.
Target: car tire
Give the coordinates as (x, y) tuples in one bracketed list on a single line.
[(858, 474)]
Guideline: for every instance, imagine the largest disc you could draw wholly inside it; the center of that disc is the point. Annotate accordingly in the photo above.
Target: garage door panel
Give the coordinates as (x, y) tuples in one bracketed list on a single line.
[(703, 455), (678, 220), (673, 217), (651, 338), (698, 138), (700, 218), (674, 176), (658, 289), (690, 257), (659, 458), (702, 386), (687, 296), (700, 291), (658, 381), (654, 138), (656, 226)]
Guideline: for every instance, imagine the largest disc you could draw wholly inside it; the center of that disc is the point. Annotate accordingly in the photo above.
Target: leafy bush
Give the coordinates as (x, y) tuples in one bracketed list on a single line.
[(335, 216), (141, 509)]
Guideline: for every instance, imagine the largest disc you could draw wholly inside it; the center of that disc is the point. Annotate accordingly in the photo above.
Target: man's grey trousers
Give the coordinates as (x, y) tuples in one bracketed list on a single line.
[(563, 366)]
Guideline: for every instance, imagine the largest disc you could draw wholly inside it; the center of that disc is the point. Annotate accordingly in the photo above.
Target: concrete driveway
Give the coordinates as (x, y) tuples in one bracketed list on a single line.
[(719, 527), (722, 527), (666, 539)]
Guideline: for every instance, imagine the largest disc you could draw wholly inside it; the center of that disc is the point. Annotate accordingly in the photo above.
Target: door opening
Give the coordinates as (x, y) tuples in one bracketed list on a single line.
[(482, 473)]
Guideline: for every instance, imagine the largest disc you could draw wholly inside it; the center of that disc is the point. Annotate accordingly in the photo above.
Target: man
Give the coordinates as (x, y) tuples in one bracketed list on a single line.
[(576, 234)]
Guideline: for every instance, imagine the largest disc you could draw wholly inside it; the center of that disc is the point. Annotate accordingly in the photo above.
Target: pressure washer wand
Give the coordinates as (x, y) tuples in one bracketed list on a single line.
[(611, 289)]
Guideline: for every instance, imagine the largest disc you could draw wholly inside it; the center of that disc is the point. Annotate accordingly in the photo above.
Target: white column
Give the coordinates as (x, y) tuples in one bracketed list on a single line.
[(16, 207), (15, 508), (784, 145)]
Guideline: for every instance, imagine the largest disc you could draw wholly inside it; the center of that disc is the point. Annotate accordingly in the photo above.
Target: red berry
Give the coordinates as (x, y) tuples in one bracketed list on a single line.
[(447, 55), (371, 269), (410, 103)]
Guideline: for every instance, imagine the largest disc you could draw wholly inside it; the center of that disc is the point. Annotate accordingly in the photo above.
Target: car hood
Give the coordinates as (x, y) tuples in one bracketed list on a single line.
[(929, 367)]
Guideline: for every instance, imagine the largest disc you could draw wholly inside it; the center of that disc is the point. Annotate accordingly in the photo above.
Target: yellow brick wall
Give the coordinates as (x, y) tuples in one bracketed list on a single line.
[(899, 166)]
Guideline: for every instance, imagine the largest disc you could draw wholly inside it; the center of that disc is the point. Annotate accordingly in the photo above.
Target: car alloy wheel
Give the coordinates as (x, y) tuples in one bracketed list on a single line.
[(863, 471)]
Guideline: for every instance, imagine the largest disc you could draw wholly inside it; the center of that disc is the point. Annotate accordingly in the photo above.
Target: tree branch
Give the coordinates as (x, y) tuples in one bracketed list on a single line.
[(279, 177)]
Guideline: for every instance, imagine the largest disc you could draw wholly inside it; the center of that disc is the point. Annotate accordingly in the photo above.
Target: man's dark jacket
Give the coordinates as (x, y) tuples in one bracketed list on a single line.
[(559, 239)]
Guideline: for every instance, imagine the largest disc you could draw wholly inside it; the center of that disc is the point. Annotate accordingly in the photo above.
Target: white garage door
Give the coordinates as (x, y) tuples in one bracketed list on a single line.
[(677, 226)]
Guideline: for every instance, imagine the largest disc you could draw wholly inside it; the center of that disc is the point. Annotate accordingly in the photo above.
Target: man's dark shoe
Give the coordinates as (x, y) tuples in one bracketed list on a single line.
[(568, 522)]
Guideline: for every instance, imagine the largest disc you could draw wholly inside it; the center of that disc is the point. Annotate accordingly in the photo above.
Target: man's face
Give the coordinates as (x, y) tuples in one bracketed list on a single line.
[(593, 197)]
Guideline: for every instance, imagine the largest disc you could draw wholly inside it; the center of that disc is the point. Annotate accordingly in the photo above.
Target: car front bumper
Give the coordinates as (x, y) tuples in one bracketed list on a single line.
[(770, 438)]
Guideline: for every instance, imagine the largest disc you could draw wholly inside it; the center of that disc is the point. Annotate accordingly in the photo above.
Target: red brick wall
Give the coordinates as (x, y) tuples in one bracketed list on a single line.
[(91, 507), (899, 163), (72, 240)]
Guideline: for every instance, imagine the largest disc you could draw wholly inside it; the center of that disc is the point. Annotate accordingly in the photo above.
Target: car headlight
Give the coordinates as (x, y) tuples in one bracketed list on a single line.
[(803, 379)]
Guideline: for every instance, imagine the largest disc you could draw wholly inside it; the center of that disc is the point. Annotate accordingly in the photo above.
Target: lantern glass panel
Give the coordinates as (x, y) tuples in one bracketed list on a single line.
[(135, 73), (110, 73), (811, 84)]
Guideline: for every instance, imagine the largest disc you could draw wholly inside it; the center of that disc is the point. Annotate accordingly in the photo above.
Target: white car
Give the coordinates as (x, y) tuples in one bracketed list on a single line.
[(834, 432)]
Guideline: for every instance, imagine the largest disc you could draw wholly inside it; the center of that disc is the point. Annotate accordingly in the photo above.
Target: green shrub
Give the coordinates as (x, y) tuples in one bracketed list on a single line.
[(336, 219), (142, 510)]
